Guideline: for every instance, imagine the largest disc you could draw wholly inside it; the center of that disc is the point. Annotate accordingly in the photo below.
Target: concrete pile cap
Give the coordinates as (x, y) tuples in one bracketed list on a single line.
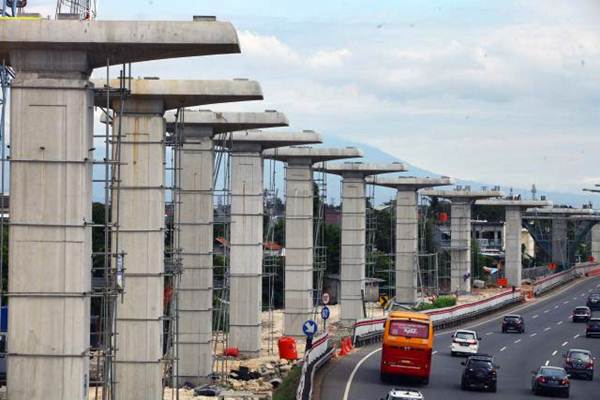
[(269, 139), (314, 154), (183, 93), (221, 122), (462, 194), (409, 182), (120, 41), (523, 203), (358, 168)]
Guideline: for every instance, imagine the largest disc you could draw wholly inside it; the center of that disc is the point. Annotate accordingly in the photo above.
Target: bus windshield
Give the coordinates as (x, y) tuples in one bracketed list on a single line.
[(409, 329)]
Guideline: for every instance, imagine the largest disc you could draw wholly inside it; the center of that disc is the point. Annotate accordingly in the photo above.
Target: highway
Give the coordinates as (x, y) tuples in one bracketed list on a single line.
[(549, 333)]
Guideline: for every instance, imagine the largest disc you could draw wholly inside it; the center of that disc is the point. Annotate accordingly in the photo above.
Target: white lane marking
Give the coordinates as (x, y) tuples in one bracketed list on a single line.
[(590, 290), (489, 333), (564, 344), (576, 336), (598, 285), (554, 353), (555, 307), (533, 334), (547, 329), (559, 323), (546, 311), (535, 316), (547, 362), (435, 352), (517, 341), (566, 302), (502, 349), (356, 367)]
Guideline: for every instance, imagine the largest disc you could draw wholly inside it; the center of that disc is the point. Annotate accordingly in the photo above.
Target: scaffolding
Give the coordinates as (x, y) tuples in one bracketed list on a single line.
[(371, 249), (271, 268), (319, 245), (108, 266), (428, 260), (86, 9), (222, 267)]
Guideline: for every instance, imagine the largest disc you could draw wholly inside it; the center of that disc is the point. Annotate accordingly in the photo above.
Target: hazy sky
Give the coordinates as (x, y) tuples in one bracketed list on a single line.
[(496, 91)]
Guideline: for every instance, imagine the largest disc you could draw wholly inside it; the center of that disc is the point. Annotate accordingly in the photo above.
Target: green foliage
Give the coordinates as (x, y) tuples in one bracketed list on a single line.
[(287, 390), (333, 235), (439, 302)]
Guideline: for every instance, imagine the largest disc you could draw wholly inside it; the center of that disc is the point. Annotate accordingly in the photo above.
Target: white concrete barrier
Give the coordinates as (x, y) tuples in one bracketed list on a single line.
[(317, 356), (547, 283)]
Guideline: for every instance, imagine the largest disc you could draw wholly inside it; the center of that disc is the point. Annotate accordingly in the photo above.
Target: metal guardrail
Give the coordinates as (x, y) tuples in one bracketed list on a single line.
[(315, 358)]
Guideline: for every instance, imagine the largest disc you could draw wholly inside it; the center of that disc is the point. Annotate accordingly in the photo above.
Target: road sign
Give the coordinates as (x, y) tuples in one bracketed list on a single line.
[(309, 328), (325, 298), (325, 313)]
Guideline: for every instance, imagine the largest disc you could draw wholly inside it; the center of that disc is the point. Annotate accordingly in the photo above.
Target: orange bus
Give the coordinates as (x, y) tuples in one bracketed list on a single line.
[(407, 345)]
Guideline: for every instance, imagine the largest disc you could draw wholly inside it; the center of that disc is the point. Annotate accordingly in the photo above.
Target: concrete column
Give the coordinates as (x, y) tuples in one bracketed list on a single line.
[(196, 241), (352, 265), (407, 246), (50, 244), (460, 244), (513, 265), (140, 206), (299, 245), (246, 247), (559, 241), (596, 242)]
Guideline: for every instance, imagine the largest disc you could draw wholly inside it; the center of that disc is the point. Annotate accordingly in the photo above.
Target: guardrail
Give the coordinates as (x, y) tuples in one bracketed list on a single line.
[(320, 352), (550, 282), (371, 330)]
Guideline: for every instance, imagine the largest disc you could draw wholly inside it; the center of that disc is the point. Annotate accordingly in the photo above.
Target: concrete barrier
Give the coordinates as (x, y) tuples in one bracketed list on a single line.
[(320, 352), (550, 282)]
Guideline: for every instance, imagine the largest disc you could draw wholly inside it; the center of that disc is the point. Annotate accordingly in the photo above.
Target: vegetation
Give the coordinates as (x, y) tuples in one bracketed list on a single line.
[(287, 390), (439, 302)]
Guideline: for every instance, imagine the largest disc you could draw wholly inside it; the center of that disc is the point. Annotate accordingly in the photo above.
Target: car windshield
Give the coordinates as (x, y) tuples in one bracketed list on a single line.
[(579, 356), (465, 335), (552, 372), (594, 324), (409, 329), (581, 310), (512, 318), (480, 364)]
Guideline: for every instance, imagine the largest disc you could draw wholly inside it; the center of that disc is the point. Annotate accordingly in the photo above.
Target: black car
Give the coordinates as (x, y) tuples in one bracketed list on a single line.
[(514, 323), (550, 380), (579, 363), (593, 301), (479, 372), (593, 327), (581, 314)]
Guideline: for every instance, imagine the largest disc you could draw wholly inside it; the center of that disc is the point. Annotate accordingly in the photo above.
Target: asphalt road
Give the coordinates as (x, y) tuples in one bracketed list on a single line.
[(549, 334)]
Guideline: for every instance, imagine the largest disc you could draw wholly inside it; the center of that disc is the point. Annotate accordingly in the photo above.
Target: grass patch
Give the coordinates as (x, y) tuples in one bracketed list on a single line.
[(289, 386), (440, 302)]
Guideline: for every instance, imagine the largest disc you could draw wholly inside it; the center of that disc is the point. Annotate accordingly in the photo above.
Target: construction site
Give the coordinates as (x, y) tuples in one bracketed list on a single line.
[(159, 258)]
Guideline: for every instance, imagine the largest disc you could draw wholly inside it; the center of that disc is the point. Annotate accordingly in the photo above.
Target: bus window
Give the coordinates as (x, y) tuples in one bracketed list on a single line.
[(409, 329)]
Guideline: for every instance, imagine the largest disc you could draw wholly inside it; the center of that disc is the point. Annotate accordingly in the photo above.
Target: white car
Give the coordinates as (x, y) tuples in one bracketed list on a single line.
[(404, 394), (464, 342)]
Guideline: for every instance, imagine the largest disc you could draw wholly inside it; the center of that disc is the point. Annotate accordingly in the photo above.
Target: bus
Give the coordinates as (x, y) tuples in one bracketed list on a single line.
[(407, 346)]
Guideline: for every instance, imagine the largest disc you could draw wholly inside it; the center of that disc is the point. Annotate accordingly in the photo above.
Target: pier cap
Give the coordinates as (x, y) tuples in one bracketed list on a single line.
[(562, 212), (409, 182), (117, 42), (514, 203), (359, 168), (312, 154), (267, 139), (182, 93), (460, 193), (200, 123)]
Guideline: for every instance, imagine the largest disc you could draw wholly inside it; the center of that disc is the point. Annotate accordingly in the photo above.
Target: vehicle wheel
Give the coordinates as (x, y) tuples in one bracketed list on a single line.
[(453, 354), (494, 388), (425, 381), (383, 377), (503, 330), (523, 330), (566, 394), (463, 385), (591, 377)]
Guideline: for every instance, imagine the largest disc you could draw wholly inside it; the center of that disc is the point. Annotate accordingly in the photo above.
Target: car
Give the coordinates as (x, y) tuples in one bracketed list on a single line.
[(404, 394), (579, 362), (464, 342), (514, 323), (480, 371), (593, 301), (548, 379), (581, 313), (593, 327)]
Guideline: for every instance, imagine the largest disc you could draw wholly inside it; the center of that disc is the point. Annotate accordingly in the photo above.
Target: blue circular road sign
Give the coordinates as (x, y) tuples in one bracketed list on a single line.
[(325, 313), (309, 328)]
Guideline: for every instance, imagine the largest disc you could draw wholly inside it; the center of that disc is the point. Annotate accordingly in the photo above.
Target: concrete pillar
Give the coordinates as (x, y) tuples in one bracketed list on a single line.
[(353, 247), (196, 212), (407, 246), (460, 246), (140, 207), (50, 242), (596, 242), (559, 241), (513, 265), (196, 241), (299, 192)]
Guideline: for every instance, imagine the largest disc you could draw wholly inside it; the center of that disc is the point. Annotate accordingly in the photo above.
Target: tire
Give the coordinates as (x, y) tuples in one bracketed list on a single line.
[(463, 386), (591, 377), (425, 381), (494, 388), (523, 330), (503, 330), (452, 354), (566, 394), (383, 377)]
